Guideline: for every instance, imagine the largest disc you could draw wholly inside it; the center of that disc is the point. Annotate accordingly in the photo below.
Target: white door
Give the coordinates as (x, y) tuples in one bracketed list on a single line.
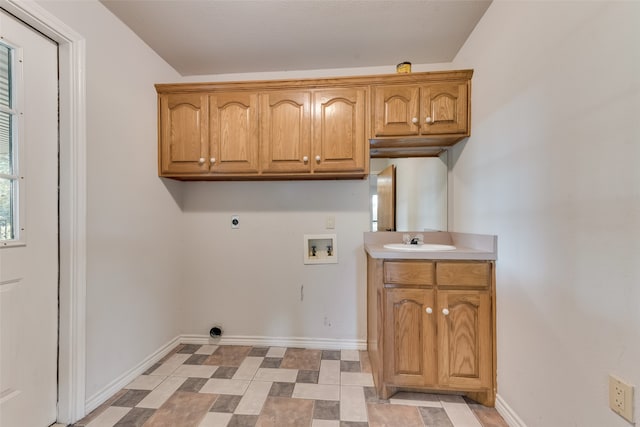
[(28, 226)]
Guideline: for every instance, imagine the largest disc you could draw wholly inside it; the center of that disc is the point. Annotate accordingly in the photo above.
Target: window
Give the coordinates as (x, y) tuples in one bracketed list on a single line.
[(9, 165)]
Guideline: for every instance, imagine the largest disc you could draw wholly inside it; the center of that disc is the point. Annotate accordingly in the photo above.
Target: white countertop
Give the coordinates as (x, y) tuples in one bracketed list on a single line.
[(468, 246)]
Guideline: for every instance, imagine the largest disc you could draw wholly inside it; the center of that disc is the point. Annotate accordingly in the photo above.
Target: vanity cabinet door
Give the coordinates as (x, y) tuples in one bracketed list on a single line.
[(183, 146), (233, 133), (464, 339), (409, 337), (339, 138), (285, 131)]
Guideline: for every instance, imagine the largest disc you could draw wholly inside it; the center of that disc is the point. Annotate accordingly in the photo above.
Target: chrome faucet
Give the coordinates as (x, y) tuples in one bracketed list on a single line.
[(418, 239)]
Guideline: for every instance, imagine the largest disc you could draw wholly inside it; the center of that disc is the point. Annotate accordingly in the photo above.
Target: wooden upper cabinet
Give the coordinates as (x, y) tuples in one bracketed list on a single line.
[(183, 131), (421, 109), (339, 136), (465, 339), (233, 137), (285, 131)]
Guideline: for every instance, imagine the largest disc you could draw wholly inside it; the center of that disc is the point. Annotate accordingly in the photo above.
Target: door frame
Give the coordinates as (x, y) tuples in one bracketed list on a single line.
[(72, 204)]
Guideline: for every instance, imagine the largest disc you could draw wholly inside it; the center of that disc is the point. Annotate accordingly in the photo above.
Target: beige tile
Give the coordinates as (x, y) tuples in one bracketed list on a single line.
[(171, 364), (109, 417), (459, 413), (325, 423), (160, 394), (254, 398), (207, 349), (194, 371), (276, 352), (381, 415), (356, 378), (352, 404), (329, 372), (146, 382), (285, 412), (248, 368), (185, 409), (317, 391), (416, 399), (276, 375), (215, 419), (352, 355), (225, 386)]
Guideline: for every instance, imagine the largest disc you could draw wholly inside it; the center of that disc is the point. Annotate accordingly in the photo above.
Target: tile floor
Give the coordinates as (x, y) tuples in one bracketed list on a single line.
[(237, 386)]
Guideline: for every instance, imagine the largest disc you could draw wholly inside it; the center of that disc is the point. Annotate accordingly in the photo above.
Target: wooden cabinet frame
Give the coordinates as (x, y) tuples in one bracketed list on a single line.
[(431, 326)]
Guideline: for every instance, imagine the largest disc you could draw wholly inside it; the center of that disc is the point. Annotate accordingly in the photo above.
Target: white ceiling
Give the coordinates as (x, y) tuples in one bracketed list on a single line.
[(199, 37)]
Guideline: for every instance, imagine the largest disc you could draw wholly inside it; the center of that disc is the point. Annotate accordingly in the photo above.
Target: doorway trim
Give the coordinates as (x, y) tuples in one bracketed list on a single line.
[(72, 204)]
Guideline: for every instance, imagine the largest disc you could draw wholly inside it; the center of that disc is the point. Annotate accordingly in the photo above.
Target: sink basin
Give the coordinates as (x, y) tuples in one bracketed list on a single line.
[(427, 247)]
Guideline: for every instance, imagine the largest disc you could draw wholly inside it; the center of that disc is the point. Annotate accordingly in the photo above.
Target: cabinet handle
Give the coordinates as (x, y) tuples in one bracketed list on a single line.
[(414, 120), (201, 160), (429, 310), (445, 311), (428, 120), (305, 159), (212, 160), (318, 159)]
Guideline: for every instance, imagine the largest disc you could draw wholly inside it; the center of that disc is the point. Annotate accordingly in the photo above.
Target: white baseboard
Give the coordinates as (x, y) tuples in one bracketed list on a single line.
[(508, 413), (300, 342), (315, 343), (116, 385)]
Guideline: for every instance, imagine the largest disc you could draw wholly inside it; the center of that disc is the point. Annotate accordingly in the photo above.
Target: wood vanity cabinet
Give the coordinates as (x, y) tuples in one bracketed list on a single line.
[(431, 326)]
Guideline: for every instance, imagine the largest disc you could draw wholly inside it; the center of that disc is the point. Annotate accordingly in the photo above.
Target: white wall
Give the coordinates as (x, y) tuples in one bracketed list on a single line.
[(133, 234), (551, 168), (249, 279)]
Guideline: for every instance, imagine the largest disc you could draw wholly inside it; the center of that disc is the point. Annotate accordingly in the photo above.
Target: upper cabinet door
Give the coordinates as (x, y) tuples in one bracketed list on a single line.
[(444, 109), (285, 131), (339, 123), (183, 134), (396, 110), (233, 133)]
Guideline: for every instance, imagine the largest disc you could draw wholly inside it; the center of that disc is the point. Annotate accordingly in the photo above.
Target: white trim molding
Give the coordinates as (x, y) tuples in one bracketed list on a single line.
[(300, 342), (508, 413), (73, 202), (119, 383)]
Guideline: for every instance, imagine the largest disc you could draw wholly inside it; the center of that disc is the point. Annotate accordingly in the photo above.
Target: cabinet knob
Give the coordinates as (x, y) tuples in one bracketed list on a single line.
[(429, 310), (428, 120), (201, 160), (317, 158), (212, 160), (414, 120), (305, 159), (445, 311)]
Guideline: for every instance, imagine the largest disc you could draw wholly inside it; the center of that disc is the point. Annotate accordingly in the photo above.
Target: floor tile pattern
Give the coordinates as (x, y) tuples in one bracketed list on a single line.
[(244, 386)]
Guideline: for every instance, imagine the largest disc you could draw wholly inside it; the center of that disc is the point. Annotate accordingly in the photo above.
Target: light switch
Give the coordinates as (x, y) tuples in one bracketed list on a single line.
[(331, 222)]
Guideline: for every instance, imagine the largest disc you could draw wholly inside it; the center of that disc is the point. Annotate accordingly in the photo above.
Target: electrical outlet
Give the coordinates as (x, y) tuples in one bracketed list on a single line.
[(621, 398), (330, 222), (235, 221)]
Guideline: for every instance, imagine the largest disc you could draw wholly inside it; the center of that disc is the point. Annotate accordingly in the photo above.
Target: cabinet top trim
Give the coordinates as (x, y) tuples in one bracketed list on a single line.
[(410, 78)]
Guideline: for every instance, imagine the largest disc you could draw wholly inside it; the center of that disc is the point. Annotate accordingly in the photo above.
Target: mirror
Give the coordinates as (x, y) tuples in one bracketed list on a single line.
[(412, 195)]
